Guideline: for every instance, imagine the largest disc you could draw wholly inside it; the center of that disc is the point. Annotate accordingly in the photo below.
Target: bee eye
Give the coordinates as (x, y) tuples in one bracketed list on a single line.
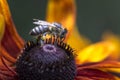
[(65, 30), (52, 61)]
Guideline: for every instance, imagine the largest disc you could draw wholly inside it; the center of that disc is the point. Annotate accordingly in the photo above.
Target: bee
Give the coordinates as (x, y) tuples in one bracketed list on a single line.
[(44, 28)]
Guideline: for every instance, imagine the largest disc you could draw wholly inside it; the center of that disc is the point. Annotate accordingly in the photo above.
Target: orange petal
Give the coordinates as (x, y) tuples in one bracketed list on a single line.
[(117, 78), (95, 52), (2, 26), (82, 78), (62, 11), (115, 40), (103, 64), (93, 74), (11, 43), (107, 66), (6, 75)]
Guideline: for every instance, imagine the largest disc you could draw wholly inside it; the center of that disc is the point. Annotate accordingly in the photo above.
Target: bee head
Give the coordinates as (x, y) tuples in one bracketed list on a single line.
[(63, 32)]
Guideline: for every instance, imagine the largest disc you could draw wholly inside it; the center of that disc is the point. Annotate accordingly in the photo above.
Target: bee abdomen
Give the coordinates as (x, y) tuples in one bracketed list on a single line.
[(37, 30)]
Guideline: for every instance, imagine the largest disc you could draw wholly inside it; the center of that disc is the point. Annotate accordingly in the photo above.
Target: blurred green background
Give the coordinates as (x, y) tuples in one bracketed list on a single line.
[(93, 16)]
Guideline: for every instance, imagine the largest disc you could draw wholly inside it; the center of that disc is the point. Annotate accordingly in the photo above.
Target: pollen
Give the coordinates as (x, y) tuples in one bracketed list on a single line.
[(54, 60)]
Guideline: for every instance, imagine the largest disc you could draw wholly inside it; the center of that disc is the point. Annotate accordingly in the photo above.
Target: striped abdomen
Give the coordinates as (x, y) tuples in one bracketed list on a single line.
[(39, 30)]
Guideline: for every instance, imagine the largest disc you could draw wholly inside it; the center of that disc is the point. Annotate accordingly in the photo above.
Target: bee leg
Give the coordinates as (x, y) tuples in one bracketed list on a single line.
[(38, 40), (46, 33), (42, 42), (43, 38), (54, 35), (63, 39)]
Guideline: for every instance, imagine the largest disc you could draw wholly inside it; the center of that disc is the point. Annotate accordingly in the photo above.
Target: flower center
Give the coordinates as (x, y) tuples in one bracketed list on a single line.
[(51, 61), (49, 48)]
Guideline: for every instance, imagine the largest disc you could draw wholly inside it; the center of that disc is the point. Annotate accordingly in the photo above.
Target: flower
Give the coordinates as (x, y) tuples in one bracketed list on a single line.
[(49, 61), (92, 61)]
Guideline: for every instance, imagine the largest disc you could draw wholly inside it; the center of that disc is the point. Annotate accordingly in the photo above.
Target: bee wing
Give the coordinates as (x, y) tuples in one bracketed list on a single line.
[(41, 22), (58, 25)]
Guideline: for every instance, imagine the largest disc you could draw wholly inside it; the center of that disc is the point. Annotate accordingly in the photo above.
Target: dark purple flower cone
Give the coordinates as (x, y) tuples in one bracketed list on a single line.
[(54, 60)]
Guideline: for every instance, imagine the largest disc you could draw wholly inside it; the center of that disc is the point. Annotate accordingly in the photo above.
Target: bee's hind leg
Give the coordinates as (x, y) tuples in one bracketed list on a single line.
[(43, 38), (38, 40), (62, 38), (55, 35)]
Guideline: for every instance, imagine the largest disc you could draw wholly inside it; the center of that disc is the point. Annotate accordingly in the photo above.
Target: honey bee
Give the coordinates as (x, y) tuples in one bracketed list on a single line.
[(44, 28)]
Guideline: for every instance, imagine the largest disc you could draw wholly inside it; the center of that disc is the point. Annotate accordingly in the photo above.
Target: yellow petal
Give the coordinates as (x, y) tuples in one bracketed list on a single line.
[(11, 42), (114, 70), (76, 40), (2, 26), (115, 40), (95, 52), (62, 11)]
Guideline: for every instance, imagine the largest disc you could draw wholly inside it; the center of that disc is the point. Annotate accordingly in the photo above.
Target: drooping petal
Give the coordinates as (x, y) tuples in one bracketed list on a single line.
[(115, 40), (117, 78), (11, 43), (93, 74), (101, 65), (6, 75), (6, 72), (62, 11), (2, 26), (82, 78), (107, 66), (95, 52)]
